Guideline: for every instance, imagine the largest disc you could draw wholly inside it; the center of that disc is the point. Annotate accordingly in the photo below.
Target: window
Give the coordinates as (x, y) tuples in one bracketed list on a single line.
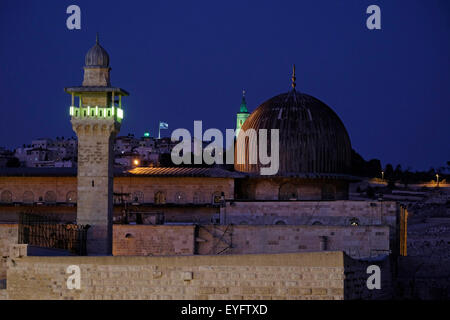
[(354, 221), (217, 197), (328, 192), (160, 197), (180, 197), (50, 197), (71, 197), (198, 197), (6, 197), (28, 197), (287, 192), (138, 197)]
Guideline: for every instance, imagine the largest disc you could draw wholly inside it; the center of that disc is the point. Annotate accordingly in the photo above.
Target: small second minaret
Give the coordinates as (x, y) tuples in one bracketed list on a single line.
[(242, 115)]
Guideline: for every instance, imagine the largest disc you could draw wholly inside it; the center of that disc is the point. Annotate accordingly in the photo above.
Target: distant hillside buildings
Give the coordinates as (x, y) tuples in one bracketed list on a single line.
[(61, 152)]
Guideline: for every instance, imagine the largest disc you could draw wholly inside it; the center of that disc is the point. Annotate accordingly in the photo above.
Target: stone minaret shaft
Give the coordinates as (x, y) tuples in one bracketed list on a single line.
[(96, 121)]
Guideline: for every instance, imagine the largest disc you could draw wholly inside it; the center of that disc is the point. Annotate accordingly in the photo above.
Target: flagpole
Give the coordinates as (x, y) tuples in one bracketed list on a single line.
[(159, 130)]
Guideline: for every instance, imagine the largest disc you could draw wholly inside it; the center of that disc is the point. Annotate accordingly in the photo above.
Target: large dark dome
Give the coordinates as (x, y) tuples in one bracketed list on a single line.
[(312, 137), (97, 56)]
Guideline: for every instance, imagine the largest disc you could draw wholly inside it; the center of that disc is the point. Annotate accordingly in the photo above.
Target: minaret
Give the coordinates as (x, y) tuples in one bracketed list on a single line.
[(96, 120), (242, 115)]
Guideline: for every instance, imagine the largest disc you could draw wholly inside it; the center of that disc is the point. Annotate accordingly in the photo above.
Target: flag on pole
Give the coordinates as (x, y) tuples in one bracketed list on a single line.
[(162, 125)]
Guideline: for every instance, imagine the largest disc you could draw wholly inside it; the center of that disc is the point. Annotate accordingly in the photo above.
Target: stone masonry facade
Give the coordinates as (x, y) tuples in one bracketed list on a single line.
[(284, 276)]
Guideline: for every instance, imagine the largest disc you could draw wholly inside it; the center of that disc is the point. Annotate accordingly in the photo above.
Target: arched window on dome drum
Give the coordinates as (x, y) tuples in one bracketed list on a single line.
[(28, 197), (50, 197), (160, 197), (287, 192), (6, 197), (328, 192), (71, 197)]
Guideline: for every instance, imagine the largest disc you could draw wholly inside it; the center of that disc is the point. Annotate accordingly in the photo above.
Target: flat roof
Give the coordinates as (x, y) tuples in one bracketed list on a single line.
[(138, 172), (81, 89)]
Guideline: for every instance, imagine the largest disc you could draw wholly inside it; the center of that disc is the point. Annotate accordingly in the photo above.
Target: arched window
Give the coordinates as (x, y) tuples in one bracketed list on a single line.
[(180, 197), (328, 192), (280, 223), (138, 197), (6, 196), (160, 197), (287, 192), (71, 197), (50, 197), (28, 197), (198, 197), (317, 223)]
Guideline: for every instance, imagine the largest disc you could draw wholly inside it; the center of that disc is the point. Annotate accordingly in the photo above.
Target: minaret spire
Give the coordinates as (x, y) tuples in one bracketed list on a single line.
[(293, 77), (96, 38), (243, 103)]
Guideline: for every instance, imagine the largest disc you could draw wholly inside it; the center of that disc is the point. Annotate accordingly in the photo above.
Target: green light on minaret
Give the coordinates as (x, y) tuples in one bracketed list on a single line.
[(146, 134), (242, 115)]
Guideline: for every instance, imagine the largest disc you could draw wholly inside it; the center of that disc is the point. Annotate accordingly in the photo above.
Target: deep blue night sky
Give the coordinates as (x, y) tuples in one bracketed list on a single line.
[(189, 60)]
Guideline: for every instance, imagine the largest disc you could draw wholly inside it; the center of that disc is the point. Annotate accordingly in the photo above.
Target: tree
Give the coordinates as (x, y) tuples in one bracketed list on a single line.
[(389, 171), (398, 172)]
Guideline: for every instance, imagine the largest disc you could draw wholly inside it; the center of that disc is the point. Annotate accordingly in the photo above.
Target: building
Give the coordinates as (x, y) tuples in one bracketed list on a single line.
[(302, 211), (46, 152)]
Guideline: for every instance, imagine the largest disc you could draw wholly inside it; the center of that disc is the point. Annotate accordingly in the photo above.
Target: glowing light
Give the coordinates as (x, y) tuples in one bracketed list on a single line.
[(96, 110), (71, 111), (146, 134), (136, 162), (119, 113)]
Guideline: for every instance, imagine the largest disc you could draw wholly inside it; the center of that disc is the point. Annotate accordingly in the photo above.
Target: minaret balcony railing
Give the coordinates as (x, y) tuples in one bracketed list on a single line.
[(97, 112)]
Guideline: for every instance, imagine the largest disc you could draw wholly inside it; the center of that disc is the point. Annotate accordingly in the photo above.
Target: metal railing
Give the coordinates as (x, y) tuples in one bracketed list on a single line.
[(49, 232)]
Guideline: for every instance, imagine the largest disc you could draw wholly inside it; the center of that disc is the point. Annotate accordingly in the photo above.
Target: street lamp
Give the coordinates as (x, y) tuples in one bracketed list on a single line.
[(136, 162), (382, 175), (437, 179)]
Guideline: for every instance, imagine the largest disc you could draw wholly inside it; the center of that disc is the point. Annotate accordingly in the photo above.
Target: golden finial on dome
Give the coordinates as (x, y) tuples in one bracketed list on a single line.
[(293, 77)]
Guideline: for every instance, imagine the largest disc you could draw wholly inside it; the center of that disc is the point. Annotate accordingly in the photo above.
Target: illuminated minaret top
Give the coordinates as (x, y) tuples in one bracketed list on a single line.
[(242, 115)]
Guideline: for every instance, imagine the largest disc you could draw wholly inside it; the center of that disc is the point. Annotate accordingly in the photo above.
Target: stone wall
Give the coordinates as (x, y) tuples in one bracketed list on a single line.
[(191, 189), (357, 242), (275, 276), (310, 212), (8, 236), (330, 213), (142, 240)]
